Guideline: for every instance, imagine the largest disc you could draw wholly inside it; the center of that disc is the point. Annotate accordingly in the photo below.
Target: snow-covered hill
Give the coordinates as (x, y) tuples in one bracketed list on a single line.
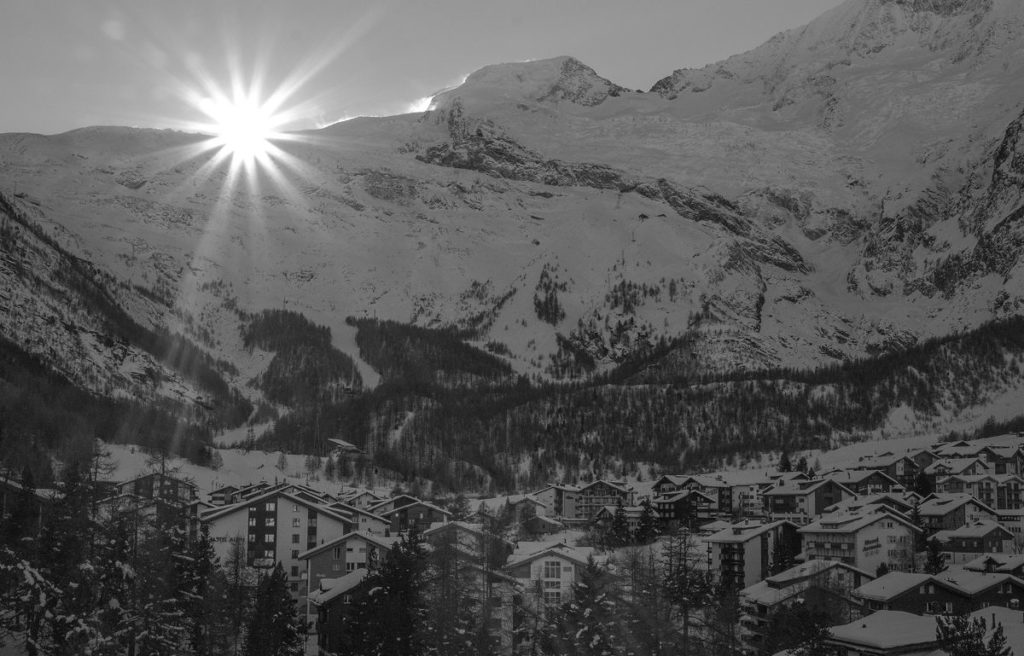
[(845, 189)]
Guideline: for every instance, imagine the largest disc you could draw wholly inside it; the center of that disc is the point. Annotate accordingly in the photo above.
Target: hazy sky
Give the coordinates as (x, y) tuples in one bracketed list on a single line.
[(67, 64)]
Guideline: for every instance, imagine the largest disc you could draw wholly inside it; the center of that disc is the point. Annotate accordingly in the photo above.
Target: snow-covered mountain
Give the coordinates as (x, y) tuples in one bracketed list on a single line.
[(846, 189)]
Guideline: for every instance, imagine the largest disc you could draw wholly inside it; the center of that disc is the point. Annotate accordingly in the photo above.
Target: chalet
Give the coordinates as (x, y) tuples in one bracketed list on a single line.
[(164, 487), (964, 544), (912, 593), (362, 519), (954, 467), (998, 491), (540, 525), (953, 591), (863, 540), (361, 499), (396, 501), (801, 501), (818, 583), (1006, 460), (606, 515), (998, 563), (737, 493), (685, 508), (473, 541), (898, 633), (903, 468), (898, 502), (924, 457), (419, 515), (560, 499), (864, 481), (547, 575), (336, 558), (12, 493), (592, 497), (669, 483), (340, 447), (742, 554), (331, 601), (885, 633), (528, 506), (985, 589), (224, 495), (950, 511)]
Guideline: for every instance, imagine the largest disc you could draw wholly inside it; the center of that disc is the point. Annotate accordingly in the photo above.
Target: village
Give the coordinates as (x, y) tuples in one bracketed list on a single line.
[(893, 540)]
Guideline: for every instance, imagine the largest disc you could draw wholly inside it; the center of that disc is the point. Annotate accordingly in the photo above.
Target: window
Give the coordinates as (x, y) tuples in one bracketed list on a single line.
[(552, 584), (296, 522), (295, 570), (295, 507), (252, 521), (271, 506), (552, 569), (335, 567), (949, 607), (268, 553), (295, 554), (552, 597), (350, 567), (337, 553), (295, 538), (271, 521), (269, 537)]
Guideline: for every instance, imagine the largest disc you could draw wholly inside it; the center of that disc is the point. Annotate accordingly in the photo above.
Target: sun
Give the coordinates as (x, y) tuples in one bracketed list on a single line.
[(242, 126)]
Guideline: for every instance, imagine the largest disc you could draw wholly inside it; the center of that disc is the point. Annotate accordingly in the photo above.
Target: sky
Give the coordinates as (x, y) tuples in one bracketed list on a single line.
[(150, 63)]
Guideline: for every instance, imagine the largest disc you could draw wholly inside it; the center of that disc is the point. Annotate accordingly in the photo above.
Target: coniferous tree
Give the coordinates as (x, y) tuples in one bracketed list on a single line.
[(618, 529), (959, 635), (687, 585), (784, 463), (923, 484), (647, 528), (274, 629), (388, 616), (935, 560), (591, 623), (22, 521)]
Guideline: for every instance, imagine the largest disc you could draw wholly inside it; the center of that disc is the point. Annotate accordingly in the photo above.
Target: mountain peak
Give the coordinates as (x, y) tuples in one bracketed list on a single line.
[(558, 79)]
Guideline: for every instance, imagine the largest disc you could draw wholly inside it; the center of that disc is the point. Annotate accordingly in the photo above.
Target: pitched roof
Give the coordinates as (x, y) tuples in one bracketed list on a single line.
[(221, 511), (331, 588), (745, 530), (793, 581), (942, 504), (953, 465), (1000, 562), (891, 585), (805, 487), (426, 504), (855, 476), (382, 542), (672, 497), (972, 582), (578, 555), (841, 522), (978, 529), (887, 629)]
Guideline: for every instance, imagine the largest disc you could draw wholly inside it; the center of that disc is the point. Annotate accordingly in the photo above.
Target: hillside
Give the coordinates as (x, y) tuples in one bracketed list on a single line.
[(846, 192)]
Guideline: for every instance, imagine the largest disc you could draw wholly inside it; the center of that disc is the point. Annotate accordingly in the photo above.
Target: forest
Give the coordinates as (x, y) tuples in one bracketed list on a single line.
[(515, 434)]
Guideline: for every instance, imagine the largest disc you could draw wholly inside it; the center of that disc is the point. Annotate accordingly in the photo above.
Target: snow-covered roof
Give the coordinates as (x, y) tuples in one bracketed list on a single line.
[(383, 542), (978, 529), (972, 582), (887, 629), (331, 588), (745, 530), (800, 488), (953, 465), (999, 562), (841, 522), (791, 582), (891, 585), (941, 504)]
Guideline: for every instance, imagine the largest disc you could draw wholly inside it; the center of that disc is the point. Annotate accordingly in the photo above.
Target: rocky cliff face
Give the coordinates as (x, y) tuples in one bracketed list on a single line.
[(845, 189)]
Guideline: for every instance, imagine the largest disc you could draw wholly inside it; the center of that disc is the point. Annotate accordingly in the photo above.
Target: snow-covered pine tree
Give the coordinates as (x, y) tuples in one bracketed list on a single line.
[(274, 629)]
